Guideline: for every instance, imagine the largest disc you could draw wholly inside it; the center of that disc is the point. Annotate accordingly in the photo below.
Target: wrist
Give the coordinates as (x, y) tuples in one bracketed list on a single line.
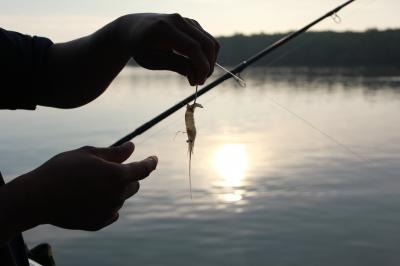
[(19, 207), (126, 33), (9, 221)]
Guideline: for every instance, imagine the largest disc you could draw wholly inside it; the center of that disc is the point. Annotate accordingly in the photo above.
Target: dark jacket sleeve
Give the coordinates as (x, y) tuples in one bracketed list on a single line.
[(22, 69)]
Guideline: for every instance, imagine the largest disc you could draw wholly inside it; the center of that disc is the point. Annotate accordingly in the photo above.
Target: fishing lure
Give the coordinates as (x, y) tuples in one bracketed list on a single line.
[(191, 134)]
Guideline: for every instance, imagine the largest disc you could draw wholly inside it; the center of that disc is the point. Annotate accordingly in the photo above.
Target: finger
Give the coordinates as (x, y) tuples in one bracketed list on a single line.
[(194, 30), (187, 46), (139, 170), (206, 43), (215, 41), (113, 219), (116, 154), (164, 60), (130, 190)]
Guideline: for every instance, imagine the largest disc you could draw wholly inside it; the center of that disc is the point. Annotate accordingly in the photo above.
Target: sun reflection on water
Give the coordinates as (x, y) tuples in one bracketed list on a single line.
[(230, 163)]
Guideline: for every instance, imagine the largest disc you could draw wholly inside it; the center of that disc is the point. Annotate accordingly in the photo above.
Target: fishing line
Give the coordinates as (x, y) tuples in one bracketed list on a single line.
[(361, 158), (323, 133), (239, 80), (235, 77), (195, 95), (355, 154)]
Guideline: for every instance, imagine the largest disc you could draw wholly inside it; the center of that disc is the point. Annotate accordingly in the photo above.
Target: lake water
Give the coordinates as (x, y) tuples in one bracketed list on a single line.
[(298, 168)]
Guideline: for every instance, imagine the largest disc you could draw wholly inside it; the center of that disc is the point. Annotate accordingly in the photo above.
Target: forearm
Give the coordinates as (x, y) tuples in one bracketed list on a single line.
[(18, 210), (80, 70)]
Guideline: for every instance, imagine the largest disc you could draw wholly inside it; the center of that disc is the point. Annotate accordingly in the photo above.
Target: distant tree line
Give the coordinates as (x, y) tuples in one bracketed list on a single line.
[(371, 48)]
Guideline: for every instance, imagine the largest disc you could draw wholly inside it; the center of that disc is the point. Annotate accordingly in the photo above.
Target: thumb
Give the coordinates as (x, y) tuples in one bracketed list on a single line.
[(136, 171), (116, 154)]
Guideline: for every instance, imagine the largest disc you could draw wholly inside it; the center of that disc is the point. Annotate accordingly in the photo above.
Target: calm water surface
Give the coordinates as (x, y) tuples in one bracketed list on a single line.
[(268, 187)]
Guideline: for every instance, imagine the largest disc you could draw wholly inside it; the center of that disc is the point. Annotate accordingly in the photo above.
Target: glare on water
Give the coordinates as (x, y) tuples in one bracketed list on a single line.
[(231, 162), (268, 189)]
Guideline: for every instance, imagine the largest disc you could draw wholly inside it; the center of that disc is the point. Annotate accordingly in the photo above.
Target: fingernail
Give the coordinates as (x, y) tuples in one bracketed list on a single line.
[(154, 160)]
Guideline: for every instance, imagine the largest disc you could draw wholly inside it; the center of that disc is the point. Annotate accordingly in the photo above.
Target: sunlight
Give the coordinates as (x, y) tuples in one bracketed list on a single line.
[(230, 197), (230, 162)]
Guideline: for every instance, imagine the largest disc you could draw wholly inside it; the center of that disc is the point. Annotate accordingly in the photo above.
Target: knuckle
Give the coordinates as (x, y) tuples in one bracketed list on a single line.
[(137, 171), (137, 186), (145, 169), (86, 148), (95, 228), (117, 203), (197, 23), (142, 170), (160, 25), (60, 156), (176, 17)]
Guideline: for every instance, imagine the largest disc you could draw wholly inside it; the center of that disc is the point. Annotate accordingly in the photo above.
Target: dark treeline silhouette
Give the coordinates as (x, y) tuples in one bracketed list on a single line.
[(371, 48)]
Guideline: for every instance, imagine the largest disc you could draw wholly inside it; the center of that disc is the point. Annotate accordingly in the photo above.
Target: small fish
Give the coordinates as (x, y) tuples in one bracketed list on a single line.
[(191, 133)]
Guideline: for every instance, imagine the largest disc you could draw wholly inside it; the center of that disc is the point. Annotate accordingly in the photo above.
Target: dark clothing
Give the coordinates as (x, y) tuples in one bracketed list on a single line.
[(22, 69)]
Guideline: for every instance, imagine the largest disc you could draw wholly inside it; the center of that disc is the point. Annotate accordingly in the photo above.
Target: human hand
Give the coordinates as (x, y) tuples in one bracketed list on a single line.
[(170, 42), (79, 71), (84, 188)]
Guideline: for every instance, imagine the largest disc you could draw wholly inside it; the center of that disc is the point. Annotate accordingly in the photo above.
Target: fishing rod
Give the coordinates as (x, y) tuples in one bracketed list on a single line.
[(236, 70)]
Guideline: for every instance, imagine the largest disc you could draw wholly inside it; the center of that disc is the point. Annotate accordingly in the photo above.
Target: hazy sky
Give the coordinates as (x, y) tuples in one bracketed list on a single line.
[(63, 20)]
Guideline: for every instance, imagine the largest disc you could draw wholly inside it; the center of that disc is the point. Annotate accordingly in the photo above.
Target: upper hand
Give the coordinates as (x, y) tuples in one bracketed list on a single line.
[(171, 42)]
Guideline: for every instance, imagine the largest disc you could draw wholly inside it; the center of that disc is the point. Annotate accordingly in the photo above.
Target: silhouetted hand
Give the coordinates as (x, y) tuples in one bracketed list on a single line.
[(81, 189), (79, 71), (172, 42)]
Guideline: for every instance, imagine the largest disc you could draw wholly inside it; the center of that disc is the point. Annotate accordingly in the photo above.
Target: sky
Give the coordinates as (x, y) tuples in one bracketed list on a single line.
[(63, 20)]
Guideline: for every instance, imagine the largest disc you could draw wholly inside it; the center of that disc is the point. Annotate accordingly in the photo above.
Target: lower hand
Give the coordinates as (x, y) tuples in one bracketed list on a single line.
[(83, 188)]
